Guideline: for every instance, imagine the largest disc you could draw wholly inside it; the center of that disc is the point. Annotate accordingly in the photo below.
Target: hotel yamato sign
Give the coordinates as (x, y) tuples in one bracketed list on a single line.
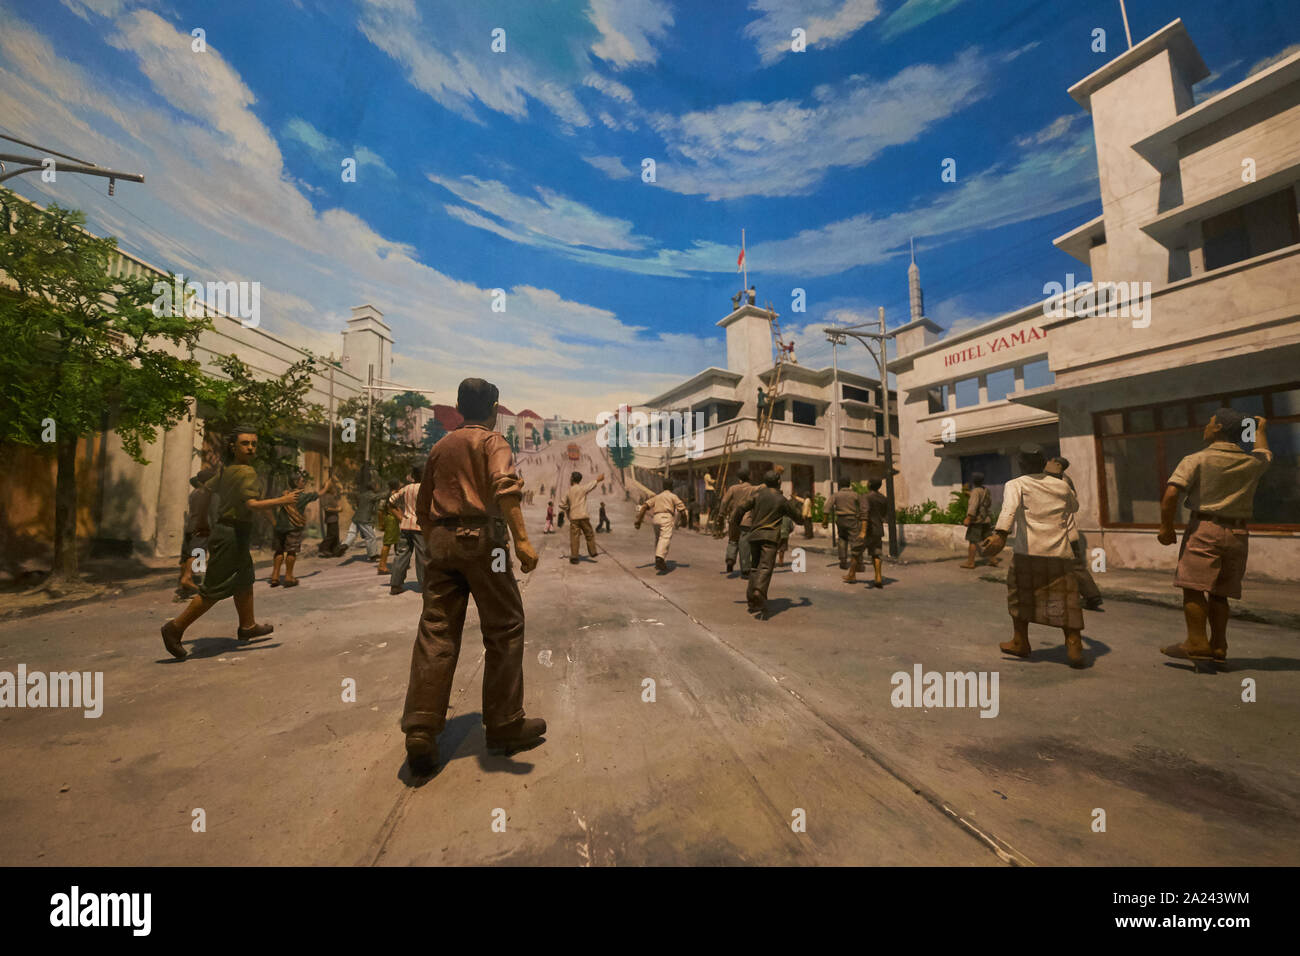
[(1006, 346)]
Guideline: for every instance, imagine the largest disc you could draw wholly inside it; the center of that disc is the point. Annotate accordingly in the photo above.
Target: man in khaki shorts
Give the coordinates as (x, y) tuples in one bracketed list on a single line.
[(1220, 482)]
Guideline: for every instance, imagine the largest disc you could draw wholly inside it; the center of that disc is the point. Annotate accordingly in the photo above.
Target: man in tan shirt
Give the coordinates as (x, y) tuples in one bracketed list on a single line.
[(469, 498), (575, 505), (1220, 482), (663, 509)]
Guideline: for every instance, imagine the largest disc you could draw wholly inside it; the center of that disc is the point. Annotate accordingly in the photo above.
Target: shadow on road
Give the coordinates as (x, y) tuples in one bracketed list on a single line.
[(464, 737), (214, 646)]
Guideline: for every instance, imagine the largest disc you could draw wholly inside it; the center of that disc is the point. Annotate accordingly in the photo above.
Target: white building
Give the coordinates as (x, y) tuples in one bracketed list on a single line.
[(809, 425), (1200, 201)]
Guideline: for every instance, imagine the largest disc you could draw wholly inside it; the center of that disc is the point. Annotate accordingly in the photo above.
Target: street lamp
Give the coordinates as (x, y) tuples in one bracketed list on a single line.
[(882, 361)]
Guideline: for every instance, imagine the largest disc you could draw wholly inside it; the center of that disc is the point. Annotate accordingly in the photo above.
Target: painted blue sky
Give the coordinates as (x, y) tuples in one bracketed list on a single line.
[(521, 170)]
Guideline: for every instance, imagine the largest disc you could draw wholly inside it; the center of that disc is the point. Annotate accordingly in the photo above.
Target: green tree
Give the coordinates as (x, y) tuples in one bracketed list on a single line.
[(391, 453), (620, 450), (83, 352), (276, 406), (512, 439), (546, 434), (434, 430)]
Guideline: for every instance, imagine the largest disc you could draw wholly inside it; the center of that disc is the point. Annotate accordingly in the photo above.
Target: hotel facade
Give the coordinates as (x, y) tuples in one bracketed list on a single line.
[(1194, 303)]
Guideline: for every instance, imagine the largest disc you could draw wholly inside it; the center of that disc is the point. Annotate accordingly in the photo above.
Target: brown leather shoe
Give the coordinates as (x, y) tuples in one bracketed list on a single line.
[(421, 753), (291, 582), (522, 734), (1185, 653), (1015, 648), (171, 636), (1074, 650), (257, 630)]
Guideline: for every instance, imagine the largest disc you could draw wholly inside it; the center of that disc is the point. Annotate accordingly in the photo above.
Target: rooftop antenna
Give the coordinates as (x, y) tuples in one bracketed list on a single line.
[(1124, 14)]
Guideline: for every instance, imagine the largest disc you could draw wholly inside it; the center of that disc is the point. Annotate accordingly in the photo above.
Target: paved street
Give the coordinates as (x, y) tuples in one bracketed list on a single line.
[(751, 722)]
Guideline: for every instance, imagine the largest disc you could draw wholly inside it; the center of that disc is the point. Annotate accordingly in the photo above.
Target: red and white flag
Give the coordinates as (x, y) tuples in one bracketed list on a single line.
[(740, 260)]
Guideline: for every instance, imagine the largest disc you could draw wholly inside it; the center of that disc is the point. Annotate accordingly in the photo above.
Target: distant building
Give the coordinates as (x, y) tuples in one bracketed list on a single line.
[(811, 423)]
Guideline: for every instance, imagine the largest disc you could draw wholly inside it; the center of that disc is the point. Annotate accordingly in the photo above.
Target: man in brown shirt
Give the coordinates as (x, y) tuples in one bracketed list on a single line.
[(738, 495), (1220, 482), (469, 496)]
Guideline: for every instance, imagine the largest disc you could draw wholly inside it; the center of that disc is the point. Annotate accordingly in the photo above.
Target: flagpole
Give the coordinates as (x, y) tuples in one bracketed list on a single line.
[(744, 265)]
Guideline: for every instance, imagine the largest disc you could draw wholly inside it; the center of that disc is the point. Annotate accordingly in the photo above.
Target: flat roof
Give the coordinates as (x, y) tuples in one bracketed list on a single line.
[(1172, 37), (1160, 148)]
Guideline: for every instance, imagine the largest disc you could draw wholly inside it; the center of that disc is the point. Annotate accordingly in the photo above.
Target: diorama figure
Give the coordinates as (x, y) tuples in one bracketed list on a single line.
[(468, 508), (1220, 482), (873, 509), (235, 496), (575, 505), (1041, 587), (663, 509), (765, 508)]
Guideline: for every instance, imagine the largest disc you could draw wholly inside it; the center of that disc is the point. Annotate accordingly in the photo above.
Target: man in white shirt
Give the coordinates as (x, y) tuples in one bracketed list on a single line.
[(411, 543), (663, 509), (1041, 587)]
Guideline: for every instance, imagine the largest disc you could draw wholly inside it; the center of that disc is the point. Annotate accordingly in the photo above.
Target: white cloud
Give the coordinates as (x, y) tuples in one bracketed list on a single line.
[(328, 152), (1265, 63), (460, 78), (611, 166), (552, 218), (787, 147), (825, 22), (629, 29), (912, 14), (1058, 175), (1056, 129), (218, 205)]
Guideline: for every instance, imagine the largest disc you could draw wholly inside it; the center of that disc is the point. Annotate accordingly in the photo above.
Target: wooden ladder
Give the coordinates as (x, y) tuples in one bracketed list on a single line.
[(774, 393), (729, 442)]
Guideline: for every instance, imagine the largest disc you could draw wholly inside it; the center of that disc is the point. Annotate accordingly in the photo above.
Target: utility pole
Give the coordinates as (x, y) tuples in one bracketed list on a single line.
[(889, 430), (882, 361), (833, 435), (1127, 34), (331, 445), (370, 402), (33, 164)]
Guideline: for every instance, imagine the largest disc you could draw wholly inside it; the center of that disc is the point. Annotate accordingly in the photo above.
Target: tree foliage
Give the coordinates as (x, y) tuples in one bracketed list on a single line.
[(277, 407), (79, 343), (84, 351)]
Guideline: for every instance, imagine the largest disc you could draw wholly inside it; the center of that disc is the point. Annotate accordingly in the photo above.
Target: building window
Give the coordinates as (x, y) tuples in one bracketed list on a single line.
[(805, 413), (968, 392), (1251, 230), (856, 394), (1038, 374), (938, 399), (1139, 448), (1001, 384)]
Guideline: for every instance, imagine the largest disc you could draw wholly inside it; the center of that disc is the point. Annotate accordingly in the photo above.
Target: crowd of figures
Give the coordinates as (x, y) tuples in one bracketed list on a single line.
[(456, 516)]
